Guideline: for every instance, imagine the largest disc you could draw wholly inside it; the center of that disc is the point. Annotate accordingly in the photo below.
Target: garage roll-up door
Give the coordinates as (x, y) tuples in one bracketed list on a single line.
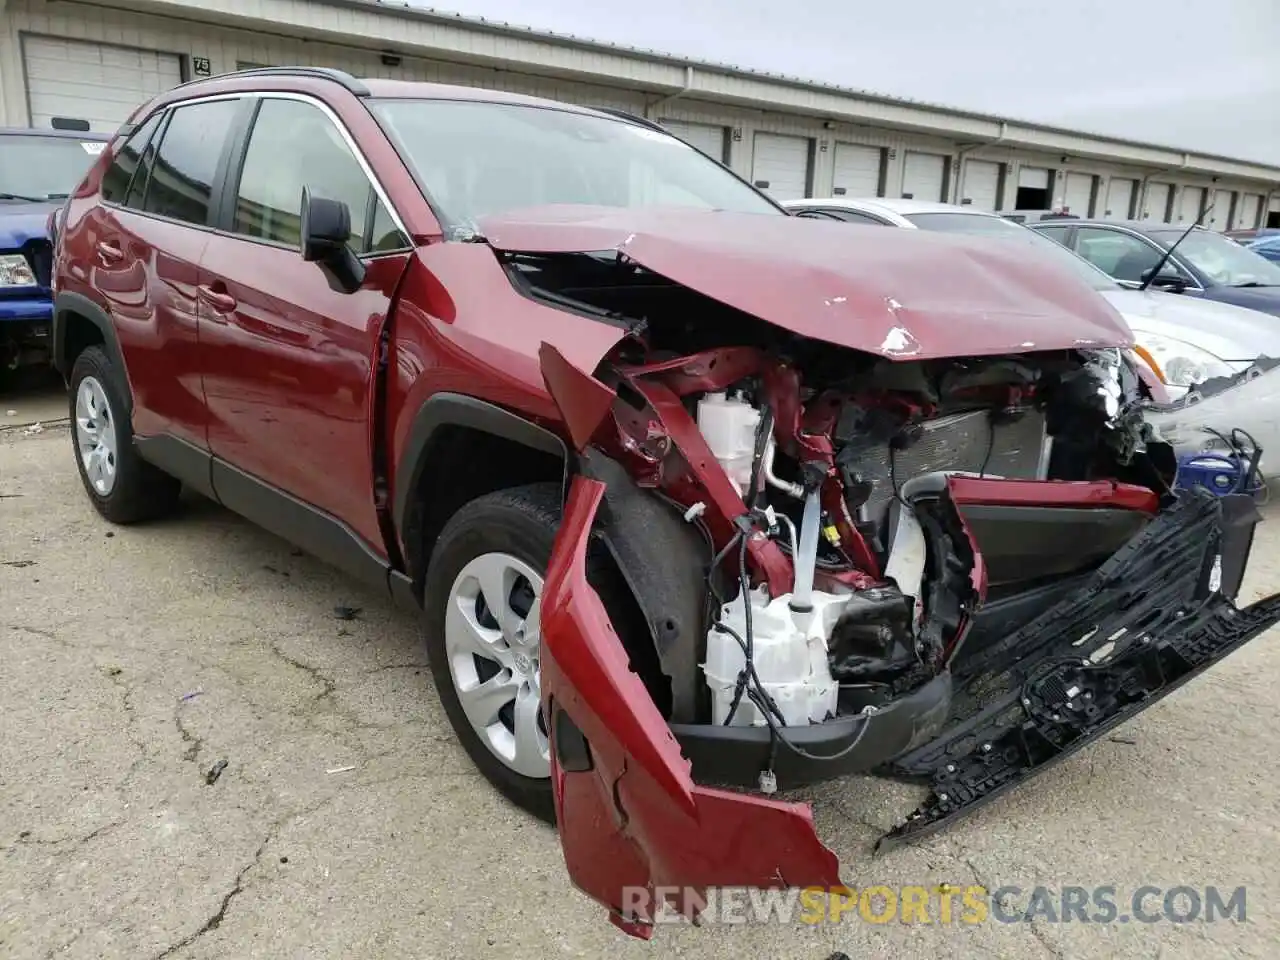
[(1077, 196), (855, 170), (1156, 205), (923, 175), (1190, 205), (707, 138), (1120, 198), (780, 165), (1250, 204), (981, 186), (1220, 219), (96, 82), (1034, 178)]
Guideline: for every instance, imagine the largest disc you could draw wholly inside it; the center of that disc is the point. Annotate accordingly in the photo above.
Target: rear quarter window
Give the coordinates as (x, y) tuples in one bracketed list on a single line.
[(115, 182)]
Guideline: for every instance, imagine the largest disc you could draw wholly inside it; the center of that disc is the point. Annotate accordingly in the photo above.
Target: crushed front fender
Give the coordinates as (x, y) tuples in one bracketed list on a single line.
[(635, 828)]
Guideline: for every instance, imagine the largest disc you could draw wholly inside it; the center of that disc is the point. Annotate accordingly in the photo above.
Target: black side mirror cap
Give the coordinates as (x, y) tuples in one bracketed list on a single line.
[(1165, 281), (326, 234)]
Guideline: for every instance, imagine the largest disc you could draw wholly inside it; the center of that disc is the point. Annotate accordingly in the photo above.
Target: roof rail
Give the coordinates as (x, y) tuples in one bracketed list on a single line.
[(318, 73), (633, 117)]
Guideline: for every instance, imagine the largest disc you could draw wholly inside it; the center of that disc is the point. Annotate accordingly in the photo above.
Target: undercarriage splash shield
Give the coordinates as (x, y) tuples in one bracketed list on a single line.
[(631, 818), (1151, 618)]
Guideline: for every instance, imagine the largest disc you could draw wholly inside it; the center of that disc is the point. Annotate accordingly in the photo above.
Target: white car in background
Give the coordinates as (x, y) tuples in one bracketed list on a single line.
[(1214, 359)]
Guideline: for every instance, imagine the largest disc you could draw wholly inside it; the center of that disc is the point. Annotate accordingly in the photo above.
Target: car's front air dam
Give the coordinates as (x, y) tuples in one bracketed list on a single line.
[(1250, 403), (735, 755)]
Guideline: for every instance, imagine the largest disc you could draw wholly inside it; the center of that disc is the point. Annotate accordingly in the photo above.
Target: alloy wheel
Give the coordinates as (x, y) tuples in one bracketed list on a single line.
[(96, 436), (492, 641)]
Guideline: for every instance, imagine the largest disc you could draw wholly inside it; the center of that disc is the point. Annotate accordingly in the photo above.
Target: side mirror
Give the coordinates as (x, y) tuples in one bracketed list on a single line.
[(326, 231), (1172, 282)]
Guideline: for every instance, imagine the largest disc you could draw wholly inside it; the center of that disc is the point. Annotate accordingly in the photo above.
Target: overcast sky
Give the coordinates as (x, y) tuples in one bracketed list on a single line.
[(1199, 74)]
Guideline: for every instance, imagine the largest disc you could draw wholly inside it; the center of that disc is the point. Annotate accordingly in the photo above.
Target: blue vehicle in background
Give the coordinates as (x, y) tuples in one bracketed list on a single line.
[(1268, 247), (38, 171), (1206, 264)]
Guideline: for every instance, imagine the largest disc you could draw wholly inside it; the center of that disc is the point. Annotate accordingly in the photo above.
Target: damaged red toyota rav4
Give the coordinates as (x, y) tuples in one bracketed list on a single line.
[(695, 496)]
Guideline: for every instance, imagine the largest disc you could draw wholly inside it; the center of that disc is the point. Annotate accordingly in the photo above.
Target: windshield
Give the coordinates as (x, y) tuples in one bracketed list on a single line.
[(474, 158), (33, 167), (999, 228), (1221, 260)]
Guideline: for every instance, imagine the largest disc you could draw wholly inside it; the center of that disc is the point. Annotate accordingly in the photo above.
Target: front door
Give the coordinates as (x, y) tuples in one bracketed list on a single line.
[(288, 358)]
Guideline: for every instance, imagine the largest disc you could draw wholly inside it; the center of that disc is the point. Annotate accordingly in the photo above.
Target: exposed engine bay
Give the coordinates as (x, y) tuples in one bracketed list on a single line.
[(850, 552), (842, 573)]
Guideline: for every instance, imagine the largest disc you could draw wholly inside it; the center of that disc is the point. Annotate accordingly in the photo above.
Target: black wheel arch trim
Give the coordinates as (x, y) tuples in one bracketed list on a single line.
[(459, 410), (66, 303)]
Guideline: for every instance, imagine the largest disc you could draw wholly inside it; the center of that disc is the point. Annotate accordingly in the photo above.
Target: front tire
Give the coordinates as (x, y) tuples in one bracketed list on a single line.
[(122, 486), (481, 598), (484, 645)]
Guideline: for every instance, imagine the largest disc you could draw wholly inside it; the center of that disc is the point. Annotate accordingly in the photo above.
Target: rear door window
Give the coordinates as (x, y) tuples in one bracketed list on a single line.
[(1122, 255), (186, 162)]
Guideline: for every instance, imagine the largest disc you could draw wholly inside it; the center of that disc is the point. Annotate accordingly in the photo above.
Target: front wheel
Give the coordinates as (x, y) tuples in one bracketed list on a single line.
[(483, 641), (122, 486)]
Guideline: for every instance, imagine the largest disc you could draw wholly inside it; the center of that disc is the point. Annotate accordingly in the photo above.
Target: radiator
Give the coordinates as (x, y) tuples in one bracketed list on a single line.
[(959, 442)]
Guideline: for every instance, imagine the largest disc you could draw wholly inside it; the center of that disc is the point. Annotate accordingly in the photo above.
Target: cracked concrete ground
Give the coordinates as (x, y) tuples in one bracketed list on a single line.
[(348, 823)]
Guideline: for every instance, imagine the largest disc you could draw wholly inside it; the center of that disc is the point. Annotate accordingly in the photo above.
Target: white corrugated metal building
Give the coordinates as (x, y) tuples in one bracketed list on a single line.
[(96, 59)]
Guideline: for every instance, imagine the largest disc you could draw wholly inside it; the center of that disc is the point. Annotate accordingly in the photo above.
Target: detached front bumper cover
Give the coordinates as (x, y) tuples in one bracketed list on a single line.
[(1155, 615), (631, 818), (633, 821)]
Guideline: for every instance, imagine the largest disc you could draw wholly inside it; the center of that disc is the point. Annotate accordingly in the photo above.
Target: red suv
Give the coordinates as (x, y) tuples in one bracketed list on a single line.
[(692, 494)]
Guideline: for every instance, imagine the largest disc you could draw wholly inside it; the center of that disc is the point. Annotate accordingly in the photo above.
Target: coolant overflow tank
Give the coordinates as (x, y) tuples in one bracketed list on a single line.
[(789, 653), (729, 424)]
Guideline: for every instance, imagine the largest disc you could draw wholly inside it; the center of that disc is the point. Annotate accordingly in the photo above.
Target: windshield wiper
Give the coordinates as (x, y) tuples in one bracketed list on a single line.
[(1253, 283), (30, 199)]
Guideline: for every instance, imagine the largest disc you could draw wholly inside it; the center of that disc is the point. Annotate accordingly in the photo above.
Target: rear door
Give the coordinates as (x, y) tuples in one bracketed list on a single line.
[(147, 238), (287, 359)]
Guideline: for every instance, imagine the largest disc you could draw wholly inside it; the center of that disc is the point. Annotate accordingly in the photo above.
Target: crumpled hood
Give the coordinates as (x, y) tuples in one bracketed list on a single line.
[(1228, 332), (20, 222), (903, 294)]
